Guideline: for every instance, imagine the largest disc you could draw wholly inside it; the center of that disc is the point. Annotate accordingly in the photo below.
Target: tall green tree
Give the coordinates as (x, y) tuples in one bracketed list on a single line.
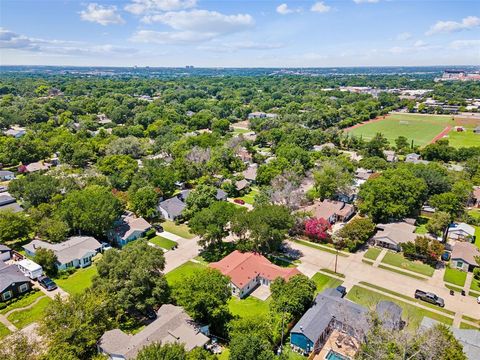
[(13, 225), (393, 195), (293, 296), (92, 210), (120, 169), (144, 202), (330, 179), (34, 189), (204, 295), (47, 259), (132, 278), (157, 351)]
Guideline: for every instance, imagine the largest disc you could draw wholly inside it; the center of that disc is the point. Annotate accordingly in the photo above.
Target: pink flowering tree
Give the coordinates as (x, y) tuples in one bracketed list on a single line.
[(317, 229)]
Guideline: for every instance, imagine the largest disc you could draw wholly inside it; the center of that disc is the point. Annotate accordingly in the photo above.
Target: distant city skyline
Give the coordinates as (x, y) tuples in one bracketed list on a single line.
[(175, 33)]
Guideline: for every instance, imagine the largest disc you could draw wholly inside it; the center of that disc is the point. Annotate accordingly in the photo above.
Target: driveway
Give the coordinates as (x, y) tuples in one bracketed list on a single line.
[(52, 294), (355, 271), (186, 250)]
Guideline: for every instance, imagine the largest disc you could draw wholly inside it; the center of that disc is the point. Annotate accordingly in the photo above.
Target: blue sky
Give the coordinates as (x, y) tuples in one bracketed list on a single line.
[(243, 33)]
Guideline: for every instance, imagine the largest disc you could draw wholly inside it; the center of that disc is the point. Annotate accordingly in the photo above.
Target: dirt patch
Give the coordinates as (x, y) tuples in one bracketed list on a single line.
[(241, 124), (467, 121), (442, 134)]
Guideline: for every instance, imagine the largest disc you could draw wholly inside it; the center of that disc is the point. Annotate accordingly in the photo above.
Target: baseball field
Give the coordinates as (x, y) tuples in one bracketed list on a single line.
[(422, 129)]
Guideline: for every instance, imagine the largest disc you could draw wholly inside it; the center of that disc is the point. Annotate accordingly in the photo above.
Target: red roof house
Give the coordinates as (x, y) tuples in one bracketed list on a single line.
[(248, 270)]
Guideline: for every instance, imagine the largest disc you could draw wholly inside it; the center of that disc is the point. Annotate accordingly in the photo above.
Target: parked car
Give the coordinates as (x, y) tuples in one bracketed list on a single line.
[(151, 314), (446, 256), (429, 297), (342, 290), (47, 283), (158, 227), (106, 246), (239, 201)]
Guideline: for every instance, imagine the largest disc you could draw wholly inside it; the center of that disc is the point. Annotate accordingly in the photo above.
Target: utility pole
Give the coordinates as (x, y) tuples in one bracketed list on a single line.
[(336, 259)]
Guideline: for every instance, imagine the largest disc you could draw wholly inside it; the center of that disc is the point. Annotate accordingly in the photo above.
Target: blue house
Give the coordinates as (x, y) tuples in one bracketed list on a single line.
[(129, 228), (332, 312)]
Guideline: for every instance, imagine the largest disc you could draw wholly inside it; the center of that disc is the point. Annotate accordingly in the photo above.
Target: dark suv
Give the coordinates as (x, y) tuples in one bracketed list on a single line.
[(47, 283)]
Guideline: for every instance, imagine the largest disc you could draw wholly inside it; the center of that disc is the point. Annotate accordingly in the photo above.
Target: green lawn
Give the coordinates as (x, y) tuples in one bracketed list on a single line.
[(411, 313), (183, 271), (465, 138), (23, 302), (400, 261), (224, 355), (237, 130), (250, 197), (475, 285), (181, 230), (78, 281), (454, 276), (324, 282), (398, 271), (372, 253), (3, 331), (164, 243), (23, 318), (468, 326), (248, 306), (419, 128)]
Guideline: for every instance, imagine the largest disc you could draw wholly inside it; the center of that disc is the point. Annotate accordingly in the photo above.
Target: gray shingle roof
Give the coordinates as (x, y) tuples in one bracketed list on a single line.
[(10, 274), (172, 325), (74, 248), (329, 305), (173, 206)]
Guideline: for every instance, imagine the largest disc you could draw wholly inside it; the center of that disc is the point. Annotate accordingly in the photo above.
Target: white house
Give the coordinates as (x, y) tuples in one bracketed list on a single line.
[(461, 231), (76, 252)]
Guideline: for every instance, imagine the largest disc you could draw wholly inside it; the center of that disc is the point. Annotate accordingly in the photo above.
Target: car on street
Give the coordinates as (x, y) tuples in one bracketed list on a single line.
[(342, 290), (47, 283), (429, 297)]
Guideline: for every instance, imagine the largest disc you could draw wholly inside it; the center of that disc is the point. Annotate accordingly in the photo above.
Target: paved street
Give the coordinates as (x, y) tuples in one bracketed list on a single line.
[(355, 271)]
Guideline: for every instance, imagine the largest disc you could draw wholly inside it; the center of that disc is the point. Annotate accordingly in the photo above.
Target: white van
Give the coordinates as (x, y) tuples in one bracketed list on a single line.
[(30, 268)]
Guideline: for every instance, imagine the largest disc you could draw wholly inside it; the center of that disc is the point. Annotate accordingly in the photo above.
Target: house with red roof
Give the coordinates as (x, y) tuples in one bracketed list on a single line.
[(249, 270)]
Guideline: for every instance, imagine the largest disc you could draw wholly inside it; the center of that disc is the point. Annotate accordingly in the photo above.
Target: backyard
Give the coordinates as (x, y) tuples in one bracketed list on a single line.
[(412, 314), (78, 281), (164, 243), (422, 129), (250, 197), (181, 230), (400, 261), (248, 306)]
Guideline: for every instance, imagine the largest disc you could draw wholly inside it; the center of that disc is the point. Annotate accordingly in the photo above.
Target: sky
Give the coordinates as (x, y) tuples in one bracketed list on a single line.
[(246, 33)]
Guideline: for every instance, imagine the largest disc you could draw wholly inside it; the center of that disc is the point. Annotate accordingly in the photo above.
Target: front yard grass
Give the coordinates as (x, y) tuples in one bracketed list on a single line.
[(455, 277), (177, 275), (79, 281), (324, 282), (400, 261), (372, 253), (248, 306), (181, 230), (398, 271), (468, 326), (411, 313), (319, 247), (23, 318), (164, 243), (23, 302), (3, 331), (475, 285)]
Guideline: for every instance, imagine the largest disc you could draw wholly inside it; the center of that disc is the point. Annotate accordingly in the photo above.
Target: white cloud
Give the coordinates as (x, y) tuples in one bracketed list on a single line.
[(103, 15), (467, 23), (203, 21), (420, 44), (365, 1), (320, 7), (139, 7), (170, 37), (283, 9), (239, 45), (15, 41), (404, 36), (461, 44)]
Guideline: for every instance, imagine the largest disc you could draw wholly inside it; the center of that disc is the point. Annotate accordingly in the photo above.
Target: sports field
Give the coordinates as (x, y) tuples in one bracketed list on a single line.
[(422, 129)]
